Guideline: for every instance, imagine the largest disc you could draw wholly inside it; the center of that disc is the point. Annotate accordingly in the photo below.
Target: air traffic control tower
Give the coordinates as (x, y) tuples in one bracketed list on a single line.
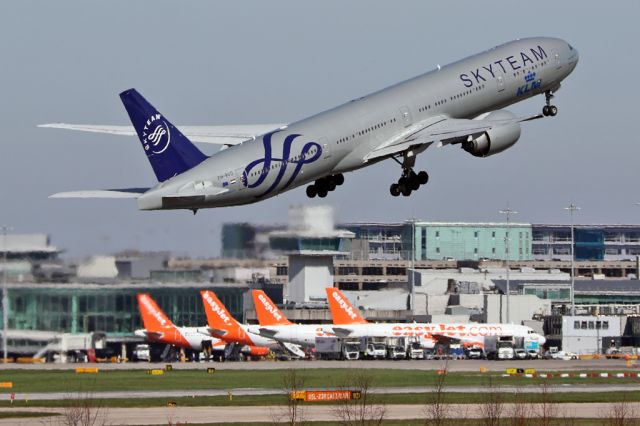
[(310, 242)]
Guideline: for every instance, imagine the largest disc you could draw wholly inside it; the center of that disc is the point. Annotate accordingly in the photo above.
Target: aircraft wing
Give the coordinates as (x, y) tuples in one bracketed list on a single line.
[(220, 135), (340, 331), (443, 338), (102, 193), (439, 129)]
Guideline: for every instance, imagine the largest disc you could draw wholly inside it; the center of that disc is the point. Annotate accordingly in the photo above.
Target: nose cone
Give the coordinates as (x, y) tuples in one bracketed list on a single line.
[(541, 339), (573, 55)]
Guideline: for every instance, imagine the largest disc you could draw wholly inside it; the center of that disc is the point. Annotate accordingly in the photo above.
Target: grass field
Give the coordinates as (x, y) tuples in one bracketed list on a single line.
[(30, 381)]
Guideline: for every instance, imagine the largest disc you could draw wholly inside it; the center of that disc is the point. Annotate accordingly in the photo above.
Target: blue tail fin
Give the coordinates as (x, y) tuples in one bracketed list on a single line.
[(169, 151)]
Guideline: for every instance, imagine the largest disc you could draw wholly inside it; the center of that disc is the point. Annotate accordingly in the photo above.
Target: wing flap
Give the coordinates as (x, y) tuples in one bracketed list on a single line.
[(218, 135)]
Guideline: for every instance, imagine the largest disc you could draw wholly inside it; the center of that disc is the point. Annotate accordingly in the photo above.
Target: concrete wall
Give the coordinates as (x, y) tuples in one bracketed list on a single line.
[(588, 340), (522, 308), (308, 277)]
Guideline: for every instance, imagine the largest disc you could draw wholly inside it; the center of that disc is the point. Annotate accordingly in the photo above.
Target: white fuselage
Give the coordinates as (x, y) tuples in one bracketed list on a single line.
[(184, 337), (429, 334), (299, 334)]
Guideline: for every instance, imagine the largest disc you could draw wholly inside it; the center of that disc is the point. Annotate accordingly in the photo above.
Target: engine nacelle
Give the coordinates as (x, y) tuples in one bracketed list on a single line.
[(496, 139)]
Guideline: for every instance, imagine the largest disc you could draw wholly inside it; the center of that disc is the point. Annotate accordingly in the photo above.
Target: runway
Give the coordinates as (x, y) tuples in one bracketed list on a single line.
[(424, 365), (195, 415), (168, 394)]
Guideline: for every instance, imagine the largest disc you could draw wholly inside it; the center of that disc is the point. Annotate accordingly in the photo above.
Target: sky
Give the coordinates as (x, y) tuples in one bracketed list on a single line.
[(240, 62)]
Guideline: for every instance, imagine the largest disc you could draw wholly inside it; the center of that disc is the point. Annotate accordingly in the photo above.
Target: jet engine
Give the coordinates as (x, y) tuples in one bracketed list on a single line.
[(496, 139)]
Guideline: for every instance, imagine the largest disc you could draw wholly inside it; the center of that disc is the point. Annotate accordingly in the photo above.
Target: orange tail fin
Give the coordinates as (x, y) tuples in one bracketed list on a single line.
[(153, 318), (268, 313), (217, 315), (341, 310)]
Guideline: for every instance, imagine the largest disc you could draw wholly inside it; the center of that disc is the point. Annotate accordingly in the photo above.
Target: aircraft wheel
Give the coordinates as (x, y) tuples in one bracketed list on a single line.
[(312, 191), (414, 183), (322, 192), (394, 189), (405, 190), (545, 110), (339, 179), (423, 177), (331, 185), (553, 110)]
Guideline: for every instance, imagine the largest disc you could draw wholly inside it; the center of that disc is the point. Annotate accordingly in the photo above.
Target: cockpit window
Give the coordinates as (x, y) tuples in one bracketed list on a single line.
[(570, 47)]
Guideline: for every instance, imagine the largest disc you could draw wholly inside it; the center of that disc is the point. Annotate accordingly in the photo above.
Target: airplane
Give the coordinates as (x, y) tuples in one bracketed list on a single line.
[(469, 334), (159, 328), (274, 325), (457, 104), (222, 325)]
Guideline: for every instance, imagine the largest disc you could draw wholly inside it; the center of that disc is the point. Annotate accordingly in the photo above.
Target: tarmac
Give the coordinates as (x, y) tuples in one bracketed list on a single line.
[(451, 365), (243, 415)]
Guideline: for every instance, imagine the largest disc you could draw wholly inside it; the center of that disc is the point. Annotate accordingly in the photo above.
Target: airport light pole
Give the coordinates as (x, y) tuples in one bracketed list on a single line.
[(572, 209), (507, 240), (413, 265), (5, 301)]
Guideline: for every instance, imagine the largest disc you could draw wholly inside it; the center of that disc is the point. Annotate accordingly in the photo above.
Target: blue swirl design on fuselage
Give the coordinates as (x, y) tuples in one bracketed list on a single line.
[(304, 158)]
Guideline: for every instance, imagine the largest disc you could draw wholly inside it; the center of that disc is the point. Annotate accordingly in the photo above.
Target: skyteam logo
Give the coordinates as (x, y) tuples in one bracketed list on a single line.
[(156, 135), (256, 173)]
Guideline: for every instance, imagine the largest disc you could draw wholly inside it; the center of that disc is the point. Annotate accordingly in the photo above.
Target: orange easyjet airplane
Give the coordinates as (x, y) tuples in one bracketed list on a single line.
[(274, 325), (159, 328), (225, 327)]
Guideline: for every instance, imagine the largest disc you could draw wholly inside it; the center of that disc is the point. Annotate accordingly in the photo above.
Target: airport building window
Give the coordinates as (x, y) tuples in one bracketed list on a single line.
[(576, 325)]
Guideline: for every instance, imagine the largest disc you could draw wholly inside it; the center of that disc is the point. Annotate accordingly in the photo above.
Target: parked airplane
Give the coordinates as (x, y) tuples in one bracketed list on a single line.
[(222, 325), (469, 334), (458, 104), (159, 328), (274, 325)]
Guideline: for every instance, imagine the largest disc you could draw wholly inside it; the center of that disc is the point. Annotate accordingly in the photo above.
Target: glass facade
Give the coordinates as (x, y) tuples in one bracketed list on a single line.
[(110, 309), (472, 241)]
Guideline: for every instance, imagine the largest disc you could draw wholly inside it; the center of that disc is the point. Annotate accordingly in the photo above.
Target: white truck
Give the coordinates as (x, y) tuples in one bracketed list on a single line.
[(415, 349), (506, 348), (499, 347), (376, 348), (396, 348), (351, 349)]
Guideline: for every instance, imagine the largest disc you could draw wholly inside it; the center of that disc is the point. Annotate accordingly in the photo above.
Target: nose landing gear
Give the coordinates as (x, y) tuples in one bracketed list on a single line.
[(324, 185), (549, 110)]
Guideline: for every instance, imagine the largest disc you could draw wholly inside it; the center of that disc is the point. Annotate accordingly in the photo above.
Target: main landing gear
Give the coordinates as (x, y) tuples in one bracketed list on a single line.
[(549, 110), (410, 180), (324, 185)]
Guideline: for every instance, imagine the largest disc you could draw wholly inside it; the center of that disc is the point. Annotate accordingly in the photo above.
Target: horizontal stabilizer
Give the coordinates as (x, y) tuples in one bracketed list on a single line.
[(217, 332), (267, 332), (102, 193), (216, 135), (339, 331)]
